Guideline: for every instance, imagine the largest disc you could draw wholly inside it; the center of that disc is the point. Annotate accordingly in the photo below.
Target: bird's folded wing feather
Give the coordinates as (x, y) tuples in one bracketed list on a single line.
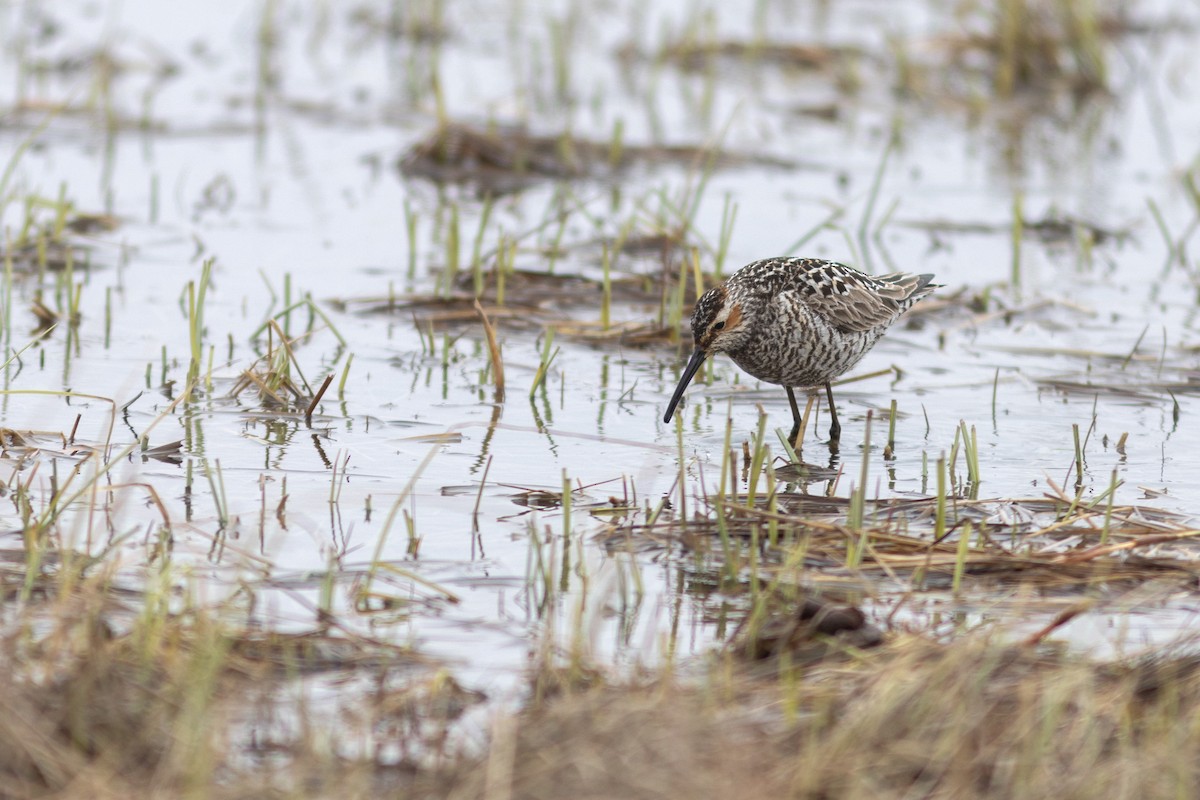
[(855, 306)]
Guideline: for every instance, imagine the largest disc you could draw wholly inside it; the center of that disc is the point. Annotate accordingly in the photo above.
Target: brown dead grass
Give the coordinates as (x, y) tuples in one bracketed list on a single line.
[(1048, 542), (179, 705), (534, 301), (184, 706), (978, 719), (692, 54), (506, 158), (637, 743)]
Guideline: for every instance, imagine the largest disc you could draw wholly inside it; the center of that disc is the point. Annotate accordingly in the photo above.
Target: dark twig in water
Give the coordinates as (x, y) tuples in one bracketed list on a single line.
[(316, 399)]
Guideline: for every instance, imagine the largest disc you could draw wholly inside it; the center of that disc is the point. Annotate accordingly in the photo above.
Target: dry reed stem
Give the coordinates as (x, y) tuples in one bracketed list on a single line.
[(493, 352)]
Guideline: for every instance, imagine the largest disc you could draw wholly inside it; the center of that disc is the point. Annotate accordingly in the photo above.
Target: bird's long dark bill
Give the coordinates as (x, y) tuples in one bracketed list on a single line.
[(693, 365)]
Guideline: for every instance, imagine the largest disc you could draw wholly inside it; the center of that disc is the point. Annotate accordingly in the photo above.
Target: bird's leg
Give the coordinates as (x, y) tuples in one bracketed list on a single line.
[(795, 418), (835, 430)]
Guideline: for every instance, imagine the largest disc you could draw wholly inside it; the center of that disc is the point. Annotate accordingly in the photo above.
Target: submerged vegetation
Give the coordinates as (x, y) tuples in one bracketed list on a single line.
[(330, 461)]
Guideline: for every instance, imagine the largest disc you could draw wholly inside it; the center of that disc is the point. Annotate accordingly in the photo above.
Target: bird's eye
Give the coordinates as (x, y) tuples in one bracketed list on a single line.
[(720, 326)]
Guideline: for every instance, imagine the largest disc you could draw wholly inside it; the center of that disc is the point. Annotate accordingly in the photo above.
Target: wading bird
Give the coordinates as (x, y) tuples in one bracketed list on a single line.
[(798, 322)]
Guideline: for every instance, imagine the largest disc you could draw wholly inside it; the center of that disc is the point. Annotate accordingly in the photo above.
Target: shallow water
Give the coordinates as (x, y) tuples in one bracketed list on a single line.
[(274, 155)]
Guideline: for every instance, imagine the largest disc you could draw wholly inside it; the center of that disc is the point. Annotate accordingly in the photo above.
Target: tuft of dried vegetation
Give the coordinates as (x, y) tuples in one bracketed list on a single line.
[(697, 54), (928, 543), (275, 374), (99, 700), (528, 301), (976, 719), (507, 158), (1053, 228), (1021, 56), (51, 237), (1029, 45)]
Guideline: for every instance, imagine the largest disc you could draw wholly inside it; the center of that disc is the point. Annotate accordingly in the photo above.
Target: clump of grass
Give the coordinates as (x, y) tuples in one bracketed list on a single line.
[(176, 702), (974, 719), (277, 376), (47, 236), (1017, 541), (1034, 42), (506, 158), (1018, 58), (697, 53)]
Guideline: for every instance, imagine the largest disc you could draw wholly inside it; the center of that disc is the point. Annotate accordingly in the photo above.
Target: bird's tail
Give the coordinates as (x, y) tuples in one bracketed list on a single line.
[(910, 286)]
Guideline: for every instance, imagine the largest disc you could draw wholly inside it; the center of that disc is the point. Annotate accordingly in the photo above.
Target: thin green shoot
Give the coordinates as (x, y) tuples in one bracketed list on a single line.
[(381, 541), (410, 227), (566, 511), (890, 450), (858, 497), (1168, 239), (287, 304), (606, 288), (334, 489), (313, 308), (216, 483), (960, 558), (995, 392), (939, 519), (727, 465), (728, 217), (729, 555), (851, 247), (345, 376), (196, 295), (681, 479), (772, 506), (413, 548), (1078, 456), (35, 135), (1134, 349), (477, 247), (16, 356), (325, 596), (755, 584), (556, 243), (1108, 510), (8, 286), (547, 358), (788, 450), (1017, 234), (953, 462), (971, 451), (507, 267), (864, 225), (616, 144), (450, 273), (760, 452), (108, 317)]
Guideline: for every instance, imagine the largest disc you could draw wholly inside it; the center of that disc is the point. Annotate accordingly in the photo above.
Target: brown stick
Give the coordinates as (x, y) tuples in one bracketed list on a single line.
[(316, 399)]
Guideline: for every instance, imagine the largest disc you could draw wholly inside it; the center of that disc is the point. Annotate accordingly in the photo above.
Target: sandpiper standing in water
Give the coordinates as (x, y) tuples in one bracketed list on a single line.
[(798, 322)]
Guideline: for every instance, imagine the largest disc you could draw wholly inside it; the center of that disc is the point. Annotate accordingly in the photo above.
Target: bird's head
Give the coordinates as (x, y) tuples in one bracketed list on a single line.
[(718, 322), (718, 326)]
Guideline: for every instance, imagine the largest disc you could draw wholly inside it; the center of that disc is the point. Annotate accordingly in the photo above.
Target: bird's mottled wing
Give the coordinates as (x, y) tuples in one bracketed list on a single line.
[(851, 300)]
